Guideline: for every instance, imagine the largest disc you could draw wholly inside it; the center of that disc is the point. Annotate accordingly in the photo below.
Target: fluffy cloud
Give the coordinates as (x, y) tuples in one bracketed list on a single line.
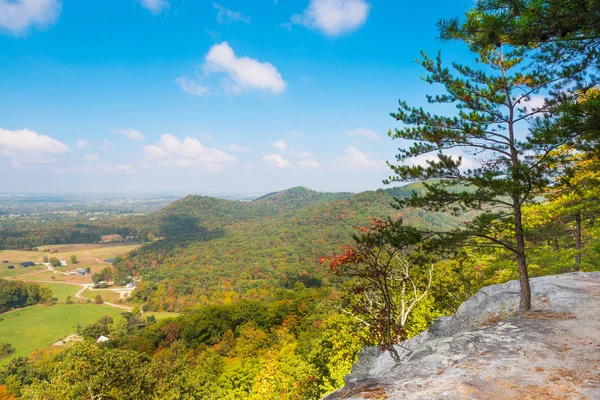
[(188, 152), (241, 73), (277, 161), (17, 16), (155, 6), (91, 157), (355, 158), (236, 148), (333, 17), (226, 16), (365, 133), (245, 73), (130, 133), (535, 103), (421, 160), (26, 147), (280, 145), (190, 86), (309, 163), (81, 144)]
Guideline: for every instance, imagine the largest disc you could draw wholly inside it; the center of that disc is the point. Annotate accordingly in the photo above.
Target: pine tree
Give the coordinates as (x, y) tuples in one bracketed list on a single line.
[(491, 122), (566, 31)]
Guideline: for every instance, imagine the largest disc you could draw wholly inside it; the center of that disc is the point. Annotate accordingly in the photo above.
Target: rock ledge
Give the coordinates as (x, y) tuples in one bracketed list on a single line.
[(482, 352)]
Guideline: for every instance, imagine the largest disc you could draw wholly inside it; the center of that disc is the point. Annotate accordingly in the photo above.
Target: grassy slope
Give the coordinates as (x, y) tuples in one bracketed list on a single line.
[(60, 291), (36, 327), (107, 295)]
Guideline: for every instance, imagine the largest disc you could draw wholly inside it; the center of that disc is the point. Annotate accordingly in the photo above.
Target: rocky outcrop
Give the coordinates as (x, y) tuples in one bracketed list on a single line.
[(484, 352)]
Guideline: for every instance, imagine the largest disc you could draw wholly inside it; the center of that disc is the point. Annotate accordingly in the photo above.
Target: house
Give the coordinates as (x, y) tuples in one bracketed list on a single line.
[(81, 271), (102, 339), (11, 267), (131, 285), (27, 264), (5, 261), (63, 263)]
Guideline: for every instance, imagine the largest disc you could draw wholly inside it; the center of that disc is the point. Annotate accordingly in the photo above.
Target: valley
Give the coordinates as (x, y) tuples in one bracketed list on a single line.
[(238, 201)]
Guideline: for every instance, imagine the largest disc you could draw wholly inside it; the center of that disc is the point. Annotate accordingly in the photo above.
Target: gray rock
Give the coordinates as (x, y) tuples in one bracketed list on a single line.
[(484, 351)]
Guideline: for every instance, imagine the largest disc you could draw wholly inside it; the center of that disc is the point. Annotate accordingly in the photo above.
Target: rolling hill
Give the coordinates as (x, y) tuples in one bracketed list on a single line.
[(214, 248)]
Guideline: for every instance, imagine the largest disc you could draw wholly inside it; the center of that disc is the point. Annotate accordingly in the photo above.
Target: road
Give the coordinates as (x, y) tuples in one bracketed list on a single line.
[(79, 294)]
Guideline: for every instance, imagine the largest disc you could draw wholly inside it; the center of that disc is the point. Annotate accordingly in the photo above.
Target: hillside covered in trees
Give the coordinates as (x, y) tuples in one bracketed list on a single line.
[(219, 249)]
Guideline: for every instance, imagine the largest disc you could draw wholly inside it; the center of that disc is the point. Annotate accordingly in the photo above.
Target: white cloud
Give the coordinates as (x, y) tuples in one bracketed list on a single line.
[(280, 145), (155, 6), (333, 17), (107, 144), (421, 160), (91, 157), (277, 161), (81, 144), (365, 133), (355, 158), (309, 163), (17, 16), (241, 73), (130, 133), (188, 152), (535, 103), (28, 147), (191, 86), (227, 16), (236, 148)]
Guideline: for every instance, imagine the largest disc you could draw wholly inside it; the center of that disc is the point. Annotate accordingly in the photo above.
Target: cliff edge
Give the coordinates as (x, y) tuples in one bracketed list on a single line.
[(482, 352)]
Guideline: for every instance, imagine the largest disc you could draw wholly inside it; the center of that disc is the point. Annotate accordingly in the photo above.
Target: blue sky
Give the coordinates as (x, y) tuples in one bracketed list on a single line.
[(208, 97)]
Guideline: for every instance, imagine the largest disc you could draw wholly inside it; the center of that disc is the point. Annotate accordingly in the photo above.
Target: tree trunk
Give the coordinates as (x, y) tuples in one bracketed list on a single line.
[(525, 304), (390, 342), (578, 240)]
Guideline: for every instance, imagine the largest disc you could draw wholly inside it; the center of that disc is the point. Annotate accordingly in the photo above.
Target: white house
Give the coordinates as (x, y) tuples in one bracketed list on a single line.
[(102, 339)]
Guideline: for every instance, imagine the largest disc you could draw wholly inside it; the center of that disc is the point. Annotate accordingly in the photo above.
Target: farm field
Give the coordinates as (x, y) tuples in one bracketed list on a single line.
[(106, 294), (89, 255), (17, 271), (36, 327), (60, 291)]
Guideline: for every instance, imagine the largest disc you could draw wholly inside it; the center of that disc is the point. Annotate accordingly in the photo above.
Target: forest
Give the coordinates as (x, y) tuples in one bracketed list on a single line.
[(17, 294), (278, 295)]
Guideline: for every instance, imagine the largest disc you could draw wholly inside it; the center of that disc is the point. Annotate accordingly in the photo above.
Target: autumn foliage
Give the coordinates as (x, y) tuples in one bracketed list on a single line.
[(387, 280)]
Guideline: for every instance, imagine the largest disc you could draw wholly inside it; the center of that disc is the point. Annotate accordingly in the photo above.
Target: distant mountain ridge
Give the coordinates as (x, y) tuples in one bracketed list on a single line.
[(273, 241)]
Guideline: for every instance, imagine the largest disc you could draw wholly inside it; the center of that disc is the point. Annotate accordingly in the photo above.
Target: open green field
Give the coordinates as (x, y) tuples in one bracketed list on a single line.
[(60, 291), (17, 271), (107, 295), (36, 327)]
